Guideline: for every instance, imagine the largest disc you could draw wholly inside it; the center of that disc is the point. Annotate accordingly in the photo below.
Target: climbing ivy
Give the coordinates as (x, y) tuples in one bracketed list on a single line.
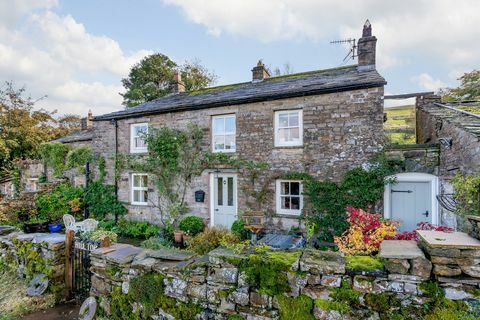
[(54, 155), (78, 157)]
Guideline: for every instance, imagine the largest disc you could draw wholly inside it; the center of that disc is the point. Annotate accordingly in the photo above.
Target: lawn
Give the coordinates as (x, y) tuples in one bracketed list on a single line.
[(400, 125)]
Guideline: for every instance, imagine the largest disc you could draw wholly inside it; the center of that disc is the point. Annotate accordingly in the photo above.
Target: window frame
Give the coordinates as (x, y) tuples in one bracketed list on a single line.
[(134, 149), (279, 143), (33, 182), (278, 195), (135, 188), (224, 116)]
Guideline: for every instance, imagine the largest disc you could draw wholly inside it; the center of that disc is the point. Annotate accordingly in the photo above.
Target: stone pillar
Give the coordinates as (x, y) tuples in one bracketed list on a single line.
[(366, 48)]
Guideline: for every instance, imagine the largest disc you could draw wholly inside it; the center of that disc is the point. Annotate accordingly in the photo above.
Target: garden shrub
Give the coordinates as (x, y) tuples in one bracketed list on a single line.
[(53, 155), (62, 199), (413, 235), (102, 201), (300, 307), (78, 157), (211, 238), (363, 263), (192, 225), (131, 229), (156, 243), (238, 229), (365, 233), (467, 193), (99, 233)]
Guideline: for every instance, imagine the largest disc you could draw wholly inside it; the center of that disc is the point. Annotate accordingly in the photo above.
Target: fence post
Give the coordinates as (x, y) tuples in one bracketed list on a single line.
[(69, 243)]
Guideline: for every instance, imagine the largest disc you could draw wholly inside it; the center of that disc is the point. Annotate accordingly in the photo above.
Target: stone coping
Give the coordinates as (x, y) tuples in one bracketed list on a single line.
[(451, 240), (400, 249)]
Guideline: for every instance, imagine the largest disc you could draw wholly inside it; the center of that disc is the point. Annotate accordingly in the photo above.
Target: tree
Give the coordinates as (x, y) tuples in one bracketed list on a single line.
[(468, 90), (152, 78), (22, 127)]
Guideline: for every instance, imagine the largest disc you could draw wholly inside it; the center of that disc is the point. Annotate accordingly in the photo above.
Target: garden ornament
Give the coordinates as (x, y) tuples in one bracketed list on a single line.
[(37, 286), (88, 309)]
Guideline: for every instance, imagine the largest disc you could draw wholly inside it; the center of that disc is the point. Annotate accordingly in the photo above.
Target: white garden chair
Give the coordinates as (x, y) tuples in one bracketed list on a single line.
[(89, 225), (70, 224)]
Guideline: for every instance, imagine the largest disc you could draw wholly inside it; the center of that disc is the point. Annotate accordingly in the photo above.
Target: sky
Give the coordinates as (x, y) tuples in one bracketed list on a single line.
[(76, 52)]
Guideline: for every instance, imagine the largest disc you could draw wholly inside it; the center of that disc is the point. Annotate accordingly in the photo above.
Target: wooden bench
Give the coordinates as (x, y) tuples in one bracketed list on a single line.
[(255, 222)]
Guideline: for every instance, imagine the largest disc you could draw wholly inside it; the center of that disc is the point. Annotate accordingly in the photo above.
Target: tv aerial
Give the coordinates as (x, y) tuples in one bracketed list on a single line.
[(352, 52)]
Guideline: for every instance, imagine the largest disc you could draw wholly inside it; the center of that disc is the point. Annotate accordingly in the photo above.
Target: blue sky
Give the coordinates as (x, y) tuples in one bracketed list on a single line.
[(76, 52)]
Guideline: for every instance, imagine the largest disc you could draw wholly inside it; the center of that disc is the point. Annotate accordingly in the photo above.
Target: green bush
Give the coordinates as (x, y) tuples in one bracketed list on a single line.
[(238, 229), (192, 225), (135, 229), (62, 199), (78, 157), (211, 238), (101, 200), (156, 243)]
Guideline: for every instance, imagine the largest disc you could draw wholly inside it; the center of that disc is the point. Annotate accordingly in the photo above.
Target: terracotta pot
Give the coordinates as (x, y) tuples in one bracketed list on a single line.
[(186, 237), (178, 235)]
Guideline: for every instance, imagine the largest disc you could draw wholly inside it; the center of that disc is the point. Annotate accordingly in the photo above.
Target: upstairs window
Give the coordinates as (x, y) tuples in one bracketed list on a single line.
[(223, 133), (288, 128), (138, 131), (139, 189), (289, 197)]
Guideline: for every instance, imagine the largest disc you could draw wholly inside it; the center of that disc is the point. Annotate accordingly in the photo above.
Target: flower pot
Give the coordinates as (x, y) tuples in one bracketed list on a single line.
[(178, 236), (186, 238), (54, 227)]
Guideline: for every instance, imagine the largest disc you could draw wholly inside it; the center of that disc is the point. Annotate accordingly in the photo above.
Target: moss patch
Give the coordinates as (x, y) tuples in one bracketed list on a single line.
[(295, 308), (346, 295), (328, 305), (363, 263)]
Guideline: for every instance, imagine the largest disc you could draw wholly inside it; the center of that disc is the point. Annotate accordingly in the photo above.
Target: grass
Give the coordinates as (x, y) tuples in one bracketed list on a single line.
[(14, 303), (400, 119)]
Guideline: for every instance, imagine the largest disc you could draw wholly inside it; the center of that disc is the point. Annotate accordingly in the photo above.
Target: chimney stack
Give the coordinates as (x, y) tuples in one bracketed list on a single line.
[(259, 72), (90, 119), (366, 48), (178, 85)]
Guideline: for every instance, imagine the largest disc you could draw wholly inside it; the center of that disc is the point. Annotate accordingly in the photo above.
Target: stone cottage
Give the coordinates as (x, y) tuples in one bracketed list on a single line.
[(321, 122)]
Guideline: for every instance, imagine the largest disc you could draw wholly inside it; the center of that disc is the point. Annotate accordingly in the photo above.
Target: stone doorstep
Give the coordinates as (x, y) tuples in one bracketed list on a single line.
[(454, 240), (400, 249)]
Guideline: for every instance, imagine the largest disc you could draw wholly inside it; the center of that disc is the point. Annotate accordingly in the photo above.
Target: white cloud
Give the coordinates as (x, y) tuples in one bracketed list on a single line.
[(427, 82), (444, 31), (53, 55)]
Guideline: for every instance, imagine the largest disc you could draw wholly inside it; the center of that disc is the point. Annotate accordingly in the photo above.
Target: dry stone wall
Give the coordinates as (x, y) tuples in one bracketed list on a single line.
[(222, 289)]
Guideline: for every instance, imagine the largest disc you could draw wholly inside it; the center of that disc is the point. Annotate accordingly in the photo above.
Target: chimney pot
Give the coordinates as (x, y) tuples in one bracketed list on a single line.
[(259, 72), (367, 48), (178, 85)]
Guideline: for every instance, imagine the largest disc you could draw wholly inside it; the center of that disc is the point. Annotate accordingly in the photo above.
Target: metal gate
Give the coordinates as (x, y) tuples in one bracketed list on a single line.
[(81, 267)]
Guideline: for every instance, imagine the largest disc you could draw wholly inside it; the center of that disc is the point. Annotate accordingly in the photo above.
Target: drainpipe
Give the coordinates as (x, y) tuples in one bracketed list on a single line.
[(115, 123)]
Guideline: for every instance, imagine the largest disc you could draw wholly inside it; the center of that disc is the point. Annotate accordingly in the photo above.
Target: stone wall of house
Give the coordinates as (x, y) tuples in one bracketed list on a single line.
[(340, 131), (218, 285), (421, 158), (462, 155)]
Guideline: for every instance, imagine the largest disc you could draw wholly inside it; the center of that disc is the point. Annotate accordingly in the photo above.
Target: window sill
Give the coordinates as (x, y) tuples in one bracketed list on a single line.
[(300, 146), (139, 204), (287, 215), (139, 151)]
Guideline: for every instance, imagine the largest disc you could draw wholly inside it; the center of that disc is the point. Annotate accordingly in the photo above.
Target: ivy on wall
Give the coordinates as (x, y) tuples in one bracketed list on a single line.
[(53, 155)]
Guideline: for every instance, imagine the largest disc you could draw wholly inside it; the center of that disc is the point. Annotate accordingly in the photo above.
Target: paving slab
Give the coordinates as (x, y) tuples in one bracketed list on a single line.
[(400, 249), (168, 254), (123, 255), (50, 238), (455, 240)]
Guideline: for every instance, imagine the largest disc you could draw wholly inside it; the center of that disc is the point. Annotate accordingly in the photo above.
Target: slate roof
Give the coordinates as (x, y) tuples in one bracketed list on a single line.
[(77, 136), (468, 122), (295, 85)]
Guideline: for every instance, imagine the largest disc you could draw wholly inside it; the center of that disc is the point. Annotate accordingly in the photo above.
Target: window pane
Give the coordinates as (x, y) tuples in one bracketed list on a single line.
[(140, 130), (230, 141), (219, 142), (285, 188), (145, 181), (294, 134), (293, 120), (140, 143), (220, 191), (295, 203), (283, 120), (230, 125), (136, 196), (230, 190), (218, 125), (295, 188), (145, 196), (136, 181), (285, 201), (282, 135)]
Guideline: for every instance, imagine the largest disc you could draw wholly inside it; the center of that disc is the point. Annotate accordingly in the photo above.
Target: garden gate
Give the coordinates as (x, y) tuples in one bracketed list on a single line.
[(78, 275)]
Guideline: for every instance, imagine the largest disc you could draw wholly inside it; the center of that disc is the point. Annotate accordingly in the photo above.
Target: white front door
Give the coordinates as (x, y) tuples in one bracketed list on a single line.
[(411, 203), (224, 199)]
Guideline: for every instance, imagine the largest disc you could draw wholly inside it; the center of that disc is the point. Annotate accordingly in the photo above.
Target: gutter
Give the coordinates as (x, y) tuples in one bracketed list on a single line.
[(241, 101), (115, 123)]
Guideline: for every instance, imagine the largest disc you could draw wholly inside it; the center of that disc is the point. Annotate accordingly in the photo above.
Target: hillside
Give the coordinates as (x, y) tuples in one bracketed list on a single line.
[(400, 125)]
